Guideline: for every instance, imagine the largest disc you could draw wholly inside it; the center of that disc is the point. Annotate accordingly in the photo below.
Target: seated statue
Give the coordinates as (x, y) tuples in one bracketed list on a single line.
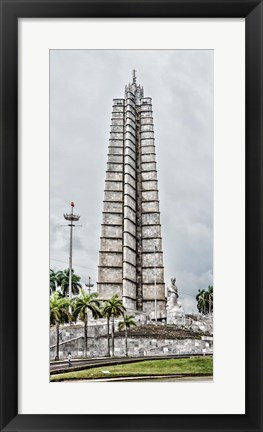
[(175, 313), (172, 294)]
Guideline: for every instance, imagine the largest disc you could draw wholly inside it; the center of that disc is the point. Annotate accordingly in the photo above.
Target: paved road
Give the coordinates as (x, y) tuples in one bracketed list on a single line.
[(167, 378), (62, 366)]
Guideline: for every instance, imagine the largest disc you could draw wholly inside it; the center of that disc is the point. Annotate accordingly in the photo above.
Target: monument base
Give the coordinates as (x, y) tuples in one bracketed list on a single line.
[(176, 316)]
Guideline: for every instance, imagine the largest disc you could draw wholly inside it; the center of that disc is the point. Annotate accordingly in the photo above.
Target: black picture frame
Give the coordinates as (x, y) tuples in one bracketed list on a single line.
[(11, 11)]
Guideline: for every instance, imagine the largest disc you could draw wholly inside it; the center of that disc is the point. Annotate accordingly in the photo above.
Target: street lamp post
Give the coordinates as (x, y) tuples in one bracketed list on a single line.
[(89, 285), (71, 217)]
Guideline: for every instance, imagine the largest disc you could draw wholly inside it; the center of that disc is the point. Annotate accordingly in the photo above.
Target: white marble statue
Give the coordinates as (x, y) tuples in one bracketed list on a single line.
[(175, 312)]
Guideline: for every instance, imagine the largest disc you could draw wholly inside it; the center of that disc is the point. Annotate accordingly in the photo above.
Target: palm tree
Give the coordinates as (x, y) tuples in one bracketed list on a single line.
[(63, 282), (209, 294), (54, 278), (83, 304), (59, 313), (202, 303), (205, 300), (127, 322), (114, 308)]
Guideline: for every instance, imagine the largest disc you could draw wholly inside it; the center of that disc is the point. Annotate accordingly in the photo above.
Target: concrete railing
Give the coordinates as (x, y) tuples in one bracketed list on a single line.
[(66, 341)]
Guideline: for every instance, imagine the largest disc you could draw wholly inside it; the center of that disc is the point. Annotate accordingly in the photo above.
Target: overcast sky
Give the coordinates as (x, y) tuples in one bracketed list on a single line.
[(180, 82)]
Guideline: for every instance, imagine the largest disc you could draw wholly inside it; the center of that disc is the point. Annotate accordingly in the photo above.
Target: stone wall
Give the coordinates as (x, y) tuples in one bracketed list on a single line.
[(203, 323), (97, 347), (71, 339)]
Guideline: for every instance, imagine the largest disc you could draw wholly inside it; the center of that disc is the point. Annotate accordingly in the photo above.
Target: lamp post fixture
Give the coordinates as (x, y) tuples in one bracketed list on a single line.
[(71, 217), (89, 285)]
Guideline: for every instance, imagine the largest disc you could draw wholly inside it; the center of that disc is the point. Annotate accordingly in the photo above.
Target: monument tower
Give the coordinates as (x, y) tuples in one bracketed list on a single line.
[(131, 257)]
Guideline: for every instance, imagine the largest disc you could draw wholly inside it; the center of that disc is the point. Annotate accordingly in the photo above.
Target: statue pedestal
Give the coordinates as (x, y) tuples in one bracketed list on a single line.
[(176, 316)]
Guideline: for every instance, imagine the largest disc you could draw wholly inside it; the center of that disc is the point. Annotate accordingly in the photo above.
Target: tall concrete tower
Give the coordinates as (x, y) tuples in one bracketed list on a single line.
[(131, 257)]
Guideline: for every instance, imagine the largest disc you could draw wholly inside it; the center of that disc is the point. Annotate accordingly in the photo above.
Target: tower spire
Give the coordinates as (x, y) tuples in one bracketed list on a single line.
[(134, 76)]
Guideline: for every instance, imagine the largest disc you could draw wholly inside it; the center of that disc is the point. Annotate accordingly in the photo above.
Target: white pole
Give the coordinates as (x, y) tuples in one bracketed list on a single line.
[(71, 218), (70, 257)]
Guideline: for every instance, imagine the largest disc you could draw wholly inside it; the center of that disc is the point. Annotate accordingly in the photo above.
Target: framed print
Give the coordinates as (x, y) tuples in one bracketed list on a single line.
[(202, 64)]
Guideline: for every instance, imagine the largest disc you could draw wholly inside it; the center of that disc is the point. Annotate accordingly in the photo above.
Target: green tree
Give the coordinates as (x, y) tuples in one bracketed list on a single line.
[(81, 306), (105, 314), (114, 308), (205, 300), (59, 314), (127, 323), (54, 280), (63, 282), (202, 303), (209, 294)]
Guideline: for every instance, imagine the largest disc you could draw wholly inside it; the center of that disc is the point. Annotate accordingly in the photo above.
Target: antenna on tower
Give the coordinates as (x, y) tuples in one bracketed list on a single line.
[(134, 76)]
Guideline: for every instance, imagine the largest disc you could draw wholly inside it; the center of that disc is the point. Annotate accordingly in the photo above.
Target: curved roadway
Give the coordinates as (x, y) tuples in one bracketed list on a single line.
[(57, 367)]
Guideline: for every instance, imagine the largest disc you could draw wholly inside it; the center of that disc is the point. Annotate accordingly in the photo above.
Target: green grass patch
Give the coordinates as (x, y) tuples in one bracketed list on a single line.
[(192, 365)]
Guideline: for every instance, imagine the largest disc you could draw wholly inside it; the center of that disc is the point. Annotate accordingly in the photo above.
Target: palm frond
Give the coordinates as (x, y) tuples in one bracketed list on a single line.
[(59, 309)]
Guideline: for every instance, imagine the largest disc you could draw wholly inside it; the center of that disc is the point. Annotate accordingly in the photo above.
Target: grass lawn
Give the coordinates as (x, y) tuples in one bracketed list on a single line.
[(193, 365)]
